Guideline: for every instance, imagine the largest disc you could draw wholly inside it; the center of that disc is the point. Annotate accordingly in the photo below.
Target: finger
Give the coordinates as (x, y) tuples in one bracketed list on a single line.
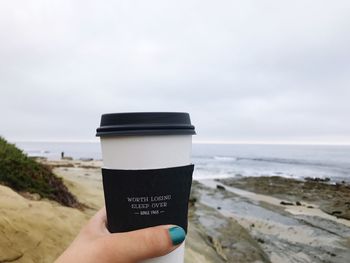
[(146, 243)]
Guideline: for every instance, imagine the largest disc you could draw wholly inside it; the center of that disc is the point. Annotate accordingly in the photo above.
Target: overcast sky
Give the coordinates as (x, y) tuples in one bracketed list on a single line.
[(246, 71)]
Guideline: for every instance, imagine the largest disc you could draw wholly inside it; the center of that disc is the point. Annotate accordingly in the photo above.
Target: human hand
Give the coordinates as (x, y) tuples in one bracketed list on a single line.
[(95, 244)]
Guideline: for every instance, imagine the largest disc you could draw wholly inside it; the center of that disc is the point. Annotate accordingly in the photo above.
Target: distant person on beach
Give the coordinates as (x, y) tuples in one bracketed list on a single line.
[(62, 155), (95, 244)]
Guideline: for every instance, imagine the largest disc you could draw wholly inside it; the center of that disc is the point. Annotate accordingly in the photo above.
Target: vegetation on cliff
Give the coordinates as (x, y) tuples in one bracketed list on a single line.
[(24, 174)]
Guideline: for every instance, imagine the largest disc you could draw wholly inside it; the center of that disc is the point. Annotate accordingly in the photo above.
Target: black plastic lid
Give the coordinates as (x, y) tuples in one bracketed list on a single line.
[(145, 123)]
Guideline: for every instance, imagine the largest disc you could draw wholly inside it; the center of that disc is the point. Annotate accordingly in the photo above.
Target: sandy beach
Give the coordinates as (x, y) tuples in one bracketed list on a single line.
[(240, 220)]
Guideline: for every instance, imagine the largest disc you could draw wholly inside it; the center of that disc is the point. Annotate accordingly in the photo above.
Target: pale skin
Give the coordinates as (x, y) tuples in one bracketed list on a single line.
[(95, 244)]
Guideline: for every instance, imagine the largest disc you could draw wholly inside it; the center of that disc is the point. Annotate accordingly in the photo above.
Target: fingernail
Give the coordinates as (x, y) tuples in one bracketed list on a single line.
[(177, 235)]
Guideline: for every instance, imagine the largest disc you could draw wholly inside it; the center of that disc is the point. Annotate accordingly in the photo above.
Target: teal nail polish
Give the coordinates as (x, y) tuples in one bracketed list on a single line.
[(177, 235)]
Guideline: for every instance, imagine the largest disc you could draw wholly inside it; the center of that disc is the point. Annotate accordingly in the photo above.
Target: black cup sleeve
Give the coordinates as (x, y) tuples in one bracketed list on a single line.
[(138, 199)]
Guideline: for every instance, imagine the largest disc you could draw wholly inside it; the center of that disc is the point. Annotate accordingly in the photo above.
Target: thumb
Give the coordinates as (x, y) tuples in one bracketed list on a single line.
[(146, 243)]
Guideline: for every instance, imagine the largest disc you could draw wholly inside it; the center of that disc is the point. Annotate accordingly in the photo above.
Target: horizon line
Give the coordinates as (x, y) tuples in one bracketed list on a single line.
[(220, 142)]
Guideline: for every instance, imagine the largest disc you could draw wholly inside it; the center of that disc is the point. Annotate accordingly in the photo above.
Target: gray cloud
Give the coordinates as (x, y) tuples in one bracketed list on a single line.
[(245, 70)]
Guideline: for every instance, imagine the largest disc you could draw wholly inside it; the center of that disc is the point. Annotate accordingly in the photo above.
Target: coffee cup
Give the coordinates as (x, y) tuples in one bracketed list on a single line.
[(147, 171)]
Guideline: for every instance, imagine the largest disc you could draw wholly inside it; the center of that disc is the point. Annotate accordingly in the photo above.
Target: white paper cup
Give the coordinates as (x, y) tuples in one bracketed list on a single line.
[(139, 141)]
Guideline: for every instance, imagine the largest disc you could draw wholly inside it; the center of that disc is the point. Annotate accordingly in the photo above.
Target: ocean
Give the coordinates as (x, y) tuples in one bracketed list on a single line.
[(232, 160)]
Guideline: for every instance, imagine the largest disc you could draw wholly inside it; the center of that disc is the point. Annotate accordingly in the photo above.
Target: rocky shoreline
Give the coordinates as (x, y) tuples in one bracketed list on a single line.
[(289, 220), (332, 198), (225, 240), (259, 219)]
